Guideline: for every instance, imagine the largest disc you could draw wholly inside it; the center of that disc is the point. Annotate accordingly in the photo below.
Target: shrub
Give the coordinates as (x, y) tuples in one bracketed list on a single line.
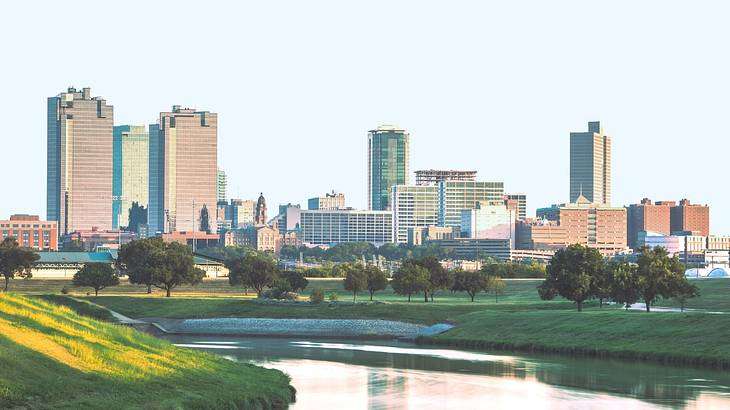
[(333, 297), (65, 290), (317, 296), (289, 296)]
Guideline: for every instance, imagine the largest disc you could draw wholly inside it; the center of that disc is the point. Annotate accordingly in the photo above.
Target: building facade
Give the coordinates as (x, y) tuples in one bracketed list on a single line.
[(241, 212), (434, 176), (455, 196), (648, 217), (328, 202), (183, 169), (420, 235), (30, 232), (488, 221), (79, 161), (590, 165), (520, 204), (689, 217), (388, 164), (413, 207), (130, 171), (221, 186), (321, 227)]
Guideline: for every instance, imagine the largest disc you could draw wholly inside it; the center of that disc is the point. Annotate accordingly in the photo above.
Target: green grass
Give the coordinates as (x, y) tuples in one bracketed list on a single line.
[(53, 357), (714, 296)]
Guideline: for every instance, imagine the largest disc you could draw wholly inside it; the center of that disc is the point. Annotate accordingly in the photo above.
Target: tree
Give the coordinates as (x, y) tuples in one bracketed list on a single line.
[(255, 270), (624, 283), (376, 278), (438, 277), (601, 283), (569, 274), (471, 282), (409, 279), (140, 259), (496, 285), (684, 290), (204, 219), (177, 268), (297, 281), (137, 217), (356, 280), (96, 275), (15, 261), (657, 274)]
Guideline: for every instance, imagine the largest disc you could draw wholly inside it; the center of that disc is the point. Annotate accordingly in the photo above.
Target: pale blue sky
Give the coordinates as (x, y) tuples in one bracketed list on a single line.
[(495, 87)]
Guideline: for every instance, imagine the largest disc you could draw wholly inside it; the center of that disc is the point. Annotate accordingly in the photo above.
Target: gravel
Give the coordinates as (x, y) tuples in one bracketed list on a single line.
[(303, 327)]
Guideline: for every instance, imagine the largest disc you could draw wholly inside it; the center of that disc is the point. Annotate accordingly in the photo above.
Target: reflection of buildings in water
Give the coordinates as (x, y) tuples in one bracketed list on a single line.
[(387, 389)]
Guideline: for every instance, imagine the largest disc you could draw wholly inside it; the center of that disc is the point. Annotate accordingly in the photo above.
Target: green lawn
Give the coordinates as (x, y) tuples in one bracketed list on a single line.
[(714, 296), (53, 357)]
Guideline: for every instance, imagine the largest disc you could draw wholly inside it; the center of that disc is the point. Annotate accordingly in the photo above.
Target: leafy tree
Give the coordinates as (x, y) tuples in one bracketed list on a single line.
[(177, 268), (97, 275), (140, 259), (658, 274), (204, 219), (376, 278), (601, 284), (255, 270), (410, 278), (624, 283), (289, 252), (15, 261), (569, 274), (683, 291), (496, 285), (471, 282), (438, 277), (356, 279), (297, 281), (137, 217)]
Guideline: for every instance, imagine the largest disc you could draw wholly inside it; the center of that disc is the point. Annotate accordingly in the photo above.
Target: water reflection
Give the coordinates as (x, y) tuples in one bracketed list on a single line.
[(333, 374)]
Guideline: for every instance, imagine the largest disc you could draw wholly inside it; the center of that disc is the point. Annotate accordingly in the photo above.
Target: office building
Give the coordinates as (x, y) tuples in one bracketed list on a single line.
[(413, 207), (540, 234), (183, 169), (288, 219), (488, 221), (420, 235), (648, 217), (455, 196), (434, 176), (328, 202), (476, 249), (30, 232), (93, 239), (130, 171), (388, 164), (79, 161), (517, 202), (241, 212), (321, 227), (590, 165), (690, 218), (221, 186)]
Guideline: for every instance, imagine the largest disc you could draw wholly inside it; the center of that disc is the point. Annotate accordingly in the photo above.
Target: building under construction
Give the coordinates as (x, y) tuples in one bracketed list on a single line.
[(434, 176)]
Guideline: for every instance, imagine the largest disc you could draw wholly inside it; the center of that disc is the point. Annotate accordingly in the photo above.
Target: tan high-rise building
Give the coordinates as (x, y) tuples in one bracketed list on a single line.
[(79, 167), (183, 170), (590, 165)]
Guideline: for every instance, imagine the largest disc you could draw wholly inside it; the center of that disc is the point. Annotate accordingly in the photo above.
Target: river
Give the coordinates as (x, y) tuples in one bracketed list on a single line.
[(337, 374)]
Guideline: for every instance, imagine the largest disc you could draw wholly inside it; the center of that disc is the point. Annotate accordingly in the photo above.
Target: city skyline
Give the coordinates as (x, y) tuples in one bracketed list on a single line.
[(494, 127)]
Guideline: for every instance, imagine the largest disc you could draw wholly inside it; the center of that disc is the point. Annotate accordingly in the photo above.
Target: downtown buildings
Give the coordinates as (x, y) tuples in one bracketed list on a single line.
[(590, 165), (388, 164), (79, 161), (130, 172)]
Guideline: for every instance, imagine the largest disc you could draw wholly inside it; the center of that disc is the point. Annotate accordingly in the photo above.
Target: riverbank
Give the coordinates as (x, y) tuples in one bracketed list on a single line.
[(53, 357)]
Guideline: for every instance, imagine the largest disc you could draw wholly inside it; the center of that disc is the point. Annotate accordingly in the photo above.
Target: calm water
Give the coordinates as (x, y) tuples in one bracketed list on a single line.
[(373, 375)]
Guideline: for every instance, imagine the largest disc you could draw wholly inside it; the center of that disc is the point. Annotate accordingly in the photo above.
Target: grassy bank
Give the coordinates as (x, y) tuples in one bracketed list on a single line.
[(676, 338), (53, 357)]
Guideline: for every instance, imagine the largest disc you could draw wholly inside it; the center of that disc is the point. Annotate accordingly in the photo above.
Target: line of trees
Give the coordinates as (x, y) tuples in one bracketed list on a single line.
[(579, 274), (260, 271), (153, 263)]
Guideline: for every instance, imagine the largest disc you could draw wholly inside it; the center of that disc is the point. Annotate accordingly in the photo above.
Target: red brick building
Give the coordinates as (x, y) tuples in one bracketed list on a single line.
[(691, 218), (648, 217), (30, 232)]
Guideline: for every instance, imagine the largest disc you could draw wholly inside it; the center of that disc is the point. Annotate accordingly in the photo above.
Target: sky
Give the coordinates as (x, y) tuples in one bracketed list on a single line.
[(492, 86)]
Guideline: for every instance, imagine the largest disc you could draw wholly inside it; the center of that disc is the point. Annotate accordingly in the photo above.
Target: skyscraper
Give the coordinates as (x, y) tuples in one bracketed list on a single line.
[(455, 196), (183, 169), (388, 161), (79, 166), (221, 186), (131, 171), (590, 165)]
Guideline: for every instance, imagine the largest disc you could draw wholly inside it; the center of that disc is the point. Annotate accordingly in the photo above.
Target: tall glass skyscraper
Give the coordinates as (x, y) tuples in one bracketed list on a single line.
[(79, 165), (131, 171), (388, 162), (183, 170), (590, 165)]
